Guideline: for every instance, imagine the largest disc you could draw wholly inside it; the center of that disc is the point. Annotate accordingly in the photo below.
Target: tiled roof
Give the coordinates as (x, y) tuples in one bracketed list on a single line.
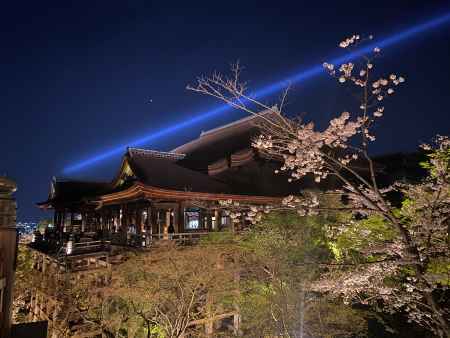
[(162, 172), (221, 142), (73, 191), (136, 152)]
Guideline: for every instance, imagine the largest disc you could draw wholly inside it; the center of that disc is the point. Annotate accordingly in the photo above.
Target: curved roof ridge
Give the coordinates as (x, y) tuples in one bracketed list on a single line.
[(231, 124), (154, 153), (56, 179)]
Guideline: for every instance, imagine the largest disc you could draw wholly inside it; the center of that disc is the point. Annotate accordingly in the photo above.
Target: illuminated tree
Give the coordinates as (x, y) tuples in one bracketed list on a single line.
[(43, 224), (167, 293), (389, 257), (24, 282), (279, 260)]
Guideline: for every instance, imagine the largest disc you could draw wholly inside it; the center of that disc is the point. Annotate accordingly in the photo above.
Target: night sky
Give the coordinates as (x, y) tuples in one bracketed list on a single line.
[(81, 77)]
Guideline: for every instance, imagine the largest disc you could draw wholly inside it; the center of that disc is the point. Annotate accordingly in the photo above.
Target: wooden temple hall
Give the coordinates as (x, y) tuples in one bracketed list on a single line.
[(168, 195)]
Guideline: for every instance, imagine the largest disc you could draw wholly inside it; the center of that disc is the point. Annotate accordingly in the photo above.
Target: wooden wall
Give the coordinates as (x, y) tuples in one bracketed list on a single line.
[(8, 251)]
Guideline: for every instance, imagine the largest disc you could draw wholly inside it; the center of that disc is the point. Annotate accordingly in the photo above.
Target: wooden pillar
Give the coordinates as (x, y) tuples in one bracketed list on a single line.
[(58, 226), (37, 307), (83, 222), (155, 220), (121, 216), (54, 219), (209, 328), (148, 222), (181, 217), (209, 221), (236, 323), (63, 221), (116, 213), (166, 225), (71, 222), (55, 321), (111, 220), (109, 224), (30, 315), (176, 214), (216, 222), (237, 278), (138, 213), (209, 324)]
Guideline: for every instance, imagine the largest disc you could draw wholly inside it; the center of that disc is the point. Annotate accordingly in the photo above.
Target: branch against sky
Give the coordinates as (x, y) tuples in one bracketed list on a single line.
[(412, 250)]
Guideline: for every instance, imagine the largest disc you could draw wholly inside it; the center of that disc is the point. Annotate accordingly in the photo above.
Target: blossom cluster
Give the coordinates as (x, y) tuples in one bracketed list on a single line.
[(306, 153), (378, 90), (237, 211), (357, 284), (366, 285), (383, 87), (304, 206), (349, 41)]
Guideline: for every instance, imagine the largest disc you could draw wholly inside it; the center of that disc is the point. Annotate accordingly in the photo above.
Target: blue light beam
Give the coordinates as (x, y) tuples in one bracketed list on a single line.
[(264, 91)]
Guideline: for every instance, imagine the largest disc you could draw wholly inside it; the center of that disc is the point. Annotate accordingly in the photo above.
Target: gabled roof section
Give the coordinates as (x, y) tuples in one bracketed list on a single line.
[(67, 192), (221, 142), (163, 172), (126, 173)]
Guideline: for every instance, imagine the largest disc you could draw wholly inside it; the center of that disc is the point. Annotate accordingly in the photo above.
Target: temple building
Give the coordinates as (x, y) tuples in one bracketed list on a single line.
[(169, 195), (156, 199)]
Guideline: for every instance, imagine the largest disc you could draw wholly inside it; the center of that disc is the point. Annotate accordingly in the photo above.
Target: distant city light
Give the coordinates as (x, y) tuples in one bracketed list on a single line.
[(260, 93)]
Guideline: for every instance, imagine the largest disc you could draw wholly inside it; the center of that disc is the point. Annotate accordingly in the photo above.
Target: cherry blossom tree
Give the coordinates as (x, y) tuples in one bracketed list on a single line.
[(396, 257)]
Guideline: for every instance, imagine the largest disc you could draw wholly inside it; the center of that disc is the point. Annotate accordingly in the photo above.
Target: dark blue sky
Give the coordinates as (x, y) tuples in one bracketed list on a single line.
[(76, 77)]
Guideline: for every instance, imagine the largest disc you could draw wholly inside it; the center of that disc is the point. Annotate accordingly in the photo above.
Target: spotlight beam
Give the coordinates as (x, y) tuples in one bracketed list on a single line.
[(262, 92)]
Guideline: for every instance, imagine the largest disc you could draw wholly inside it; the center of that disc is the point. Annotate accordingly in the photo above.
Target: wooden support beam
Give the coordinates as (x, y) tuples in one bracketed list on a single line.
[(166, 225)]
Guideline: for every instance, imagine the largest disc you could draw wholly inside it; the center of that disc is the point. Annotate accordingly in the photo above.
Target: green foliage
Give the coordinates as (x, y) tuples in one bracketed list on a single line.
[(359, 234), (328, 318), (288, 238), (439, 155), (282, 253), (158, 294), (439, 270), (25, 280), (218, 237), (256, 303), (43, 224)]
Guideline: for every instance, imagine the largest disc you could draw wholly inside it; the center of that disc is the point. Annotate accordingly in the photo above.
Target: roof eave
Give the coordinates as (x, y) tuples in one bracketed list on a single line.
[(139, 190)]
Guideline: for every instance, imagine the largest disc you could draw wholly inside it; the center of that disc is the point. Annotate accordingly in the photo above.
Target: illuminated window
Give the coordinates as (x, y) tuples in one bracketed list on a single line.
[(224, 221), (192, 218), (76, 219)]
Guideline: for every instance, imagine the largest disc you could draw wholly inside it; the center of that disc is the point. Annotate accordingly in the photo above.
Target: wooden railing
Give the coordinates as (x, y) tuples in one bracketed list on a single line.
[(92, 261), (85, 247), (179, 237), (187, 237), (148, 240)]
